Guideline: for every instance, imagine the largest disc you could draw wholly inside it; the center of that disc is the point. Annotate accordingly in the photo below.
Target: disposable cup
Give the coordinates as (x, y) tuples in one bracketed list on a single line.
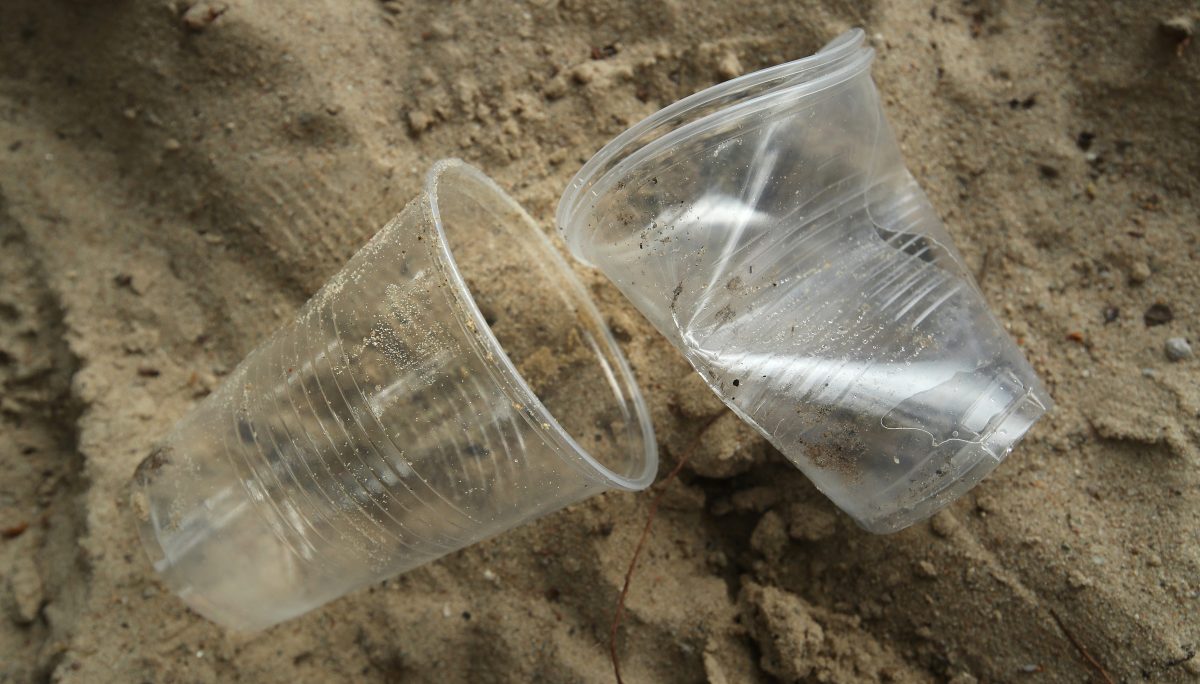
[(769, 229), (452, 381)]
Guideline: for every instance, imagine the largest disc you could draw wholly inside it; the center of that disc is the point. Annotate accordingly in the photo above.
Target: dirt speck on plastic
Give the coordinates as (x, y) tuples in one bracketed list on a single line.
[(227, 236)]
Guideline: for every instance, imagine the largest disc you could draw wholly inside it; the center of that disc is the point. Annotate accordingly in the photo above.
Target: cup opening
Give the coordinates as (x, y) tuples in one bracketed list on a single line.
[(838, 61), (554, 354)]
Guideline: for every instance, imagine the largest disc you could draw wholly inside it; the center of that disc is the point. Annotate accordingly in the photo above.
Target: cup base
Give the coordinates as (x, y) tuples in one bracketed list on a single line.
[(973, 462)]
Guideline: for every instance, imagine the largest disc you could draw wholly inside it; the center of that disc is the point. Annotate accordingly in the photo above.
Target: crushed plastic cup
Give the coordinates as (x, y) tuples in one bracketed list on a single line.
[(768, 228), (451, 382)]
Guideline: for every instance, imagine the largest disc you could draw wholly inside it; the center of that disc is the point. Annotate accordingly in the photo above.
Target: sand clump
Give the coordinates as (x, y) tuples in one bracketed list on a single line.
[(177, 178)]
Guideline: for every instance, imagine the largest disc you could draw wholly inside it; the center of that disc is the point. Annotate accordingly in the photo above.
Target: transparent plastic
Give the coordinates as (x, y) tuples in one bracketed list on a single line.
[(452, 381), (768, 227)]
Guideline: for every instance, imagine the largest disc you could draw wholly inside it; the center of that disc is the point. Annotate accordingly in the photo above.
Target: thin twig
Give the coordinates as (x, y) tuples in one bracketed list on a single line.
[(983, 267), (1082, 651), (662, 490)]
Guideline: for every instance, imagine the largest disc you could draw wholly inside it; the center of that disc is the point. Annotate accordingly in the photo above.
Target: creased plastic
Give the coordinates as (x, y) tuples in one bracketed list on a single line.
[(769, 229)]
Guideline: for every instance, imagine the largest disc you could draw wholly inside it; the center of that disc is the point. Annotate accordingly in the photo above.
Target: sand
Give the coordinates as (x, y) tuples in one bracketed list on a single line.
[(176, 179)]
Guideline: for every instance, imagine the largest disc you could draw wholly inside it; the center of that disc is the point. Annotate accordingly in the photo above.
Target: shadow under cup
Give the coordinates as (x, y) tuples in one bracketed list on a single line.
[(452, 381)]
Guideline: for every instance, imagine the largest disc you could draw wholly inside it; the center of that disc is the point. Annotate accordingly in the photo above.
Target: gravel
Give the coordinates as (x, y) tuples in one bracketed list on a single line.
[(1178, 349)]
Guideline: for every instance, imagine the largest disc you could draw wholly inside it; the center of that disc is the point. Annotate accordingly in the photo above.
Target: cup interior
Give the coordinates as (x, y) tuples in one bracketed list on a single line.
[(839, 60), (548, 343)]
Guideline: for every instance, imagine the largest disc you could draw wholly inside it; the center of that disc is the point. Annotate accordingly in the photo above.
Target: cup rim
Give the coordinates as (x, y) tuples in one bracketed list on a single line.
[(513, 383), (600, 173)]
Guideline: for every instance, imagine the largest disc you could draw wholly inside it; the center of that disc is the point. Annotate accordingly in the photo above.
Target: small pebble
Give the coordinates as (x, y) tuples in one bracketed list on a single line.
[(770, 537), (490, 576), (944, 524), (985, 503), (728, 66), (446, 612), (202, 383), (419, 121), (25, 590), (171, 145), (1139, 272), (200, 15), (1178, 349), (926, 569), (1180, 28), (440, 30), (1078, 580)]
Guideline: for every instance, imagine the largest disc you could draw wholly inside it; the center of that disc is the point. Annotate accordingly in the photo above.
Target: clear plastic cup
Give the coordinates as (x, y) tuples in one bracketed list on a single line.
[(452, 381), (768, 227)]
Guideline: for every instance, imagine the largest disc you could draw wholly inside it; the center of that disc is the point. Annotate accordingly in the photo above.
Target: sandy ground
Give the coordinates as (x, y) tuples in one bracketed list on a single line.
[(174, 184)]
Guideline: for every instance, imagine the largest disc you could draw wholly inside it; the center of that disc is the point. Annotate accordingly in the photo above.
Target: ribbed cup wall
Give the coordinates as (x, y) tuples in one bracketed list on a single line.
[(377, 432)]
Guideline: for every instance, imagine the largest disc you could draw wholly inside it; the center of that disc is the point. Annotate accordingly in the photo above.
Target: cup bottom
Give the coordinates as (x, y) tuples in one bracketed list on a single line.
[(971, 464)]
